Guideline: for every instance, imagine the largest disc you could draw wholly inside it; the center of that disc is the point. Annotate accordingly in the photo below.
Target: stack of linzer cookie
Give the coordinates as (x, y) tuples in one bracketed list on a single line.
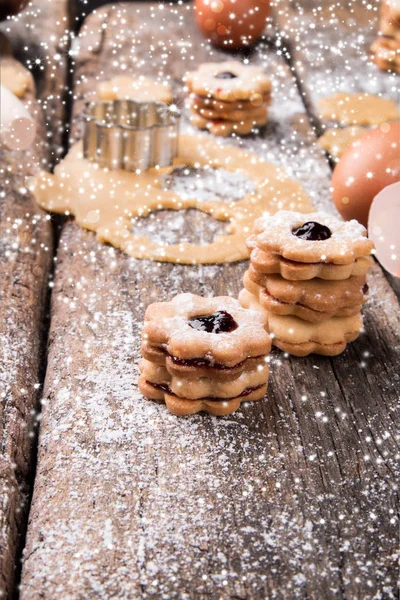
[(386, 48), (308, 275), (203, 354), (228, 97)]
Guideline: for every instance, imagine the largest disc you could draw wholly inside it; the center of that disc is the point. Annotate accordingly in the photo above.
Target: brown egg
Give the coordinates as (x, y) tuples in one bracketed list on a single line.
[(232, 23), (370, 164)]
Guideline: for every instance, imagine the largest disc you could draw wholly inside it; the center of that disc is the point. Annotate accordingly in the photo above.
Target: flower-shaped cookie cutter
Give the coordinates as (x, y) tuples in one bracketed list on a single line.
[(129, 135)]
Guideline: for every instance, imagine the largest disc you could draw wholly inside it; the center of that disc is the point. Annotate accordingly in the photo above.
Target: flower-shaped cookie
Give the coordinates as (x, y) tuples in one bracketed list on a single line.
[(229, 81), (317, 294), (203, 387), (312, 238), (300, 338), (279, 307), (269, 262), (214, 406), (385, 52), (217, 329)]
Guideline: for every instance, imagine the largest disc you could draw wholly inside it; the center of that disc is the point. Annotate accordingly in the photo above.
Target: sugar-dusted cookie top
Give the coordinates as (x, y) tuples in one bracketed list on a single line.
[(140, 89), (218, 329), (229, 81), (312, 238)]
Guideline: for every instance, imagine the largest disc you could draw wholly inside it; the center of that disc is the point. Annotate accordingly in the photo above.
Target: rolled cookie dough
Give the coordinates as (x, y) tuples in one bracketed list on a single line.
[(107, 201), (358, 109), (336, 141)]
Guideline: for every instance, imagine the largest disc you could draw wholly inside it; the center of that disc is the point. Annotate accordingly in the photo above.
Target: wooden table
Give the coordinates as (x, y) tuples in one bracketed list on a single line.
[(26, 256), (292, 497)]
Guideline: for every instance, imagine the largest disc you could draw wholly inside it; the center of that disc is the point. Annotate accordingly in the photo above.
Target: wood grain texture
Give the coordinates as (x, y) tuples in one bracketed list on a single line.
[(25, 261), (26, 251), (329, 48), (291, 497)]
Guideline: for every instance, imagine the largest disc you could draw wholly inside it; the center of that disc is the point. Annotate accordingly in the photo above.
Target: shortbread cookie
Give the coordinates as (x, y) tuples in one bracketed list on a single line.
[(224, 128), (270, 262), (214, 406), (204, 387), (141, 89), (278, 307), (200, 367), (300, 338), (320, 295), (228, 81), (314, 238), (385, 52), (205, 336), (389, 30), (389, 23), (358, 109), (259, 112), (220, 106), (218, 329)]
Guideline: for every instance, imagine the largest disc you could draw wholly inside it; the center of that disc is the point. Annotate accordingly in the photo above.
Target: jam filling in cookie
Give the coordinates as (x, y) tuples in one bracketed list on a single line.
[(226, 75), (313, 231), (309, 291), (192, 349), (219, 322), (293, 236), (165, 388), (204, 362), (238, 97)]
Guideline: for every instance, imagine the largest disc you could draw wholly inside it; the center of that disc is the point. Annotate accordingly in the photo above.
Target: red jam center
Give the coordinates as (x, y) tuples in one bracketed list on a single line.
[(225, 75), (313, 231), (219, 322)]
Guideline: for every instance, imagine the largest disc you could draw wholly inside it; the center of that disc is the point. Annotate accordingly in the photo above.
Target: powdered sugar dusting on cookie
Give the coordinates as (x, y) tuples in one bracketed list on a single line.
[(169, 324), (347, 240)]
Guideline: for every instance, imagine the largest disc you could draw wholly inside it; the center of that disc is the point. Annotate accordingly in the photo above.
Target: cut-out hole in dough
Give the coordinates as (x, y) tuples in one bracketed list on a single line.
[(176, 227), (106, 201), (208, 183)]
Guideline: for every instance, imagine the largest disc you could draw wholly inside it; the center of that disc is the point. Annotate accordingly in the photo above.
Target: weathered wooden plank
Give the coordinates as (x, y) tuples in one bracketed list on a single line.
[(26, 249), (25, 262), (290, 497), (329, 47), (329, 50)]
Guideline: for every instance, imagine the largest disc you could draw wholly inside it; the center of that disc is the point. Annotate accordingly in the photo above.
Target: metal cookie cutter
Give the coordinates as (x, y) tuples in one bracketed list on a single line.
[(124, 134)]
